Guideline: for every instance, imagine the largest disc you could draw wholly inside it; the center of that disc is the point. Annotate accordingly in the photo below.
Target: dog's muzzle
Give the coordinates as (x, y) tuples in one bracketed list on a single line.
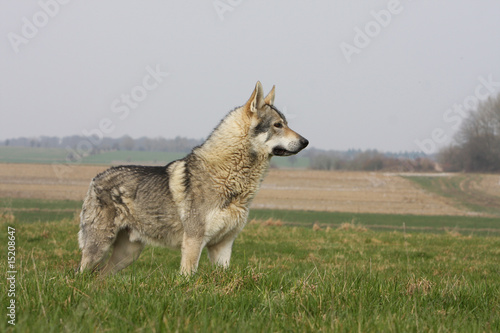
[(293, 148)]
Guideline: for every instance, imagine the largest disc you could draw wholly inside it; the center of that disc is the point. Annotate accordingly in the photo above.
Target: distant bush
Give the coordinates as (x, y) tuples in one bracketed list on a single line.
[(369, 160)]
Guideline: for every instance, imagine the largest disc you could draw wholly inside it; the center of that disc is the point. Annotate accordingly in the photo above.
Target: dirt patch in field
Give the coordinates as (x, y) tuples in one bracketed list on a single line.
[(477, 192), (360, 192), (490, 184), (46, 181), (482, 191)]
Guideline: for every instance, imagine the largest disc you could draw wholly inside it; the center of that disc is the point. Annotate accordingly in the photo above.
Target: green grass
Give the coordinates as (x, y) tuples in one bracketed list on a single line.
[(58, 155), (32, 155), (463, 224), (38, 210), (21, 203), (281, 279)]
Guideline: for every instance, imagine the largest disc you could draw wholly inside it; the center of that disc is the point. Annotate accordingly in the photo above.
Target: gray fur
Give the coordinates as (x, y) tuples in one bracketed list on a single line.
[(199, 201)]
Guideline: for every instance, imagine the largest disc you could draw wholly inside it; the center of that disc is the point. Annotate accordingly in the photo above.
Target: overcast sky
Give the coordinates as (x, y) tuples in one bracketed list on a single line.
[(388, 75)]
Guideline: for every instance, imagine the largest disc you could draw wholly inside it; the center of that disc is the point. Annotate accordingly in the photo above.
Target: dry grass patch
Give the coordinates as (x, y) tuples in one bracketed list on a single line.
[(269, 222), (6, 216), (352, 226), (420, 285)]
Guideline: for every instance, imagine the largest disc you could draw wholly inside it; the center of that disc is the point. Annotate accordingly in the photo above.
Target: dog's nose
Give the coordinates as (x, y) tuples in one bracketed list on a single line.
[(304, 142)]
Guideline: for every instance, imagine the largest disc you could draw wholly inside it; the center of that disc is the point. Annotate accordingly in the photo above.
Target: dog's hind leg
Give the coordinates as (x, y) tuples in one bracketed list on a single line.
[(124, 253)]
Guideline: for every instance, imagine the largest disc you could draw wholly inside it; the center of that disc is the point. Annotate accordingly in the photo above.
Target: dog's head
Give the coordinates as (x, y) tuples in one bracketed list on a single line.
[(269, 128)]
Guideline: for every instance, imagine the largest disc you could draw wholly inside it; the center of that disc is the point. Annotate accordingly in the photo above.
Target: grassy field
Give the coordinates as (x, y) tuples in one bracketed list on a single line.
[(38, 210), (368, 252), (284, 276), (59, 155), (31, 155), (466, 225)]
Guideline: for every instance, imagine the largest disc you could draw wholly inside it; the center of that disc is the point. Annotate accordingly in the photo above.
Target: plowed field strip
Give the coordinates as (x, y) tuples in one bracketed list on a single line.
[(361, 192), (466, 190)]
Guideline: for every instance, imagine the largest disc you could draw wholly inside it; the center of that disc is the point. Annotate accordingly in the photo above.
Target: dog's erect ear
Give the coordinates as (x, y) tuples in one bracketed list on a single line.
[(270, 97), (256, 101)]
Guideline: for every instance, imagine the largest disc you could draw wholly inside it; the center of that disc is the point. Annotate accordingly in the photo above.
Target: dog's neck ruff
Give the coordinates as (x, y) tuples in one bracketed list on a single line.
[(230, 144), (229, 157)]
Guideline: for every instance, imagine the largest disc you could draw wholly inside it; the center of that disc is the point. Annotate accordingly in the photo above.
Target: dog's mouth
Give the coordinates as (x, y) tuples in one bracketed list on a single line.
[(280, 151)]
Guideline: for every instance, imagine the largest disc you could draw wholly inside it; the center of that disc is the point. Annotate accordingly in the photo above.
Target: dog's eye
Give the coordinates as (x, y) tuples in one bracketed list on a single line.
[(278, 125)]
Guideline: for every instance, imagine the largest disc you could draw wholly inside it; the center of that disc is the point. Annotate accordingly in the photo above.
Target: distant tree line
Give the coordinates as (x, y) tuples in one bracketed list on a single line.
[(353, 159), (178, 144), (369, 160), (476, 146)]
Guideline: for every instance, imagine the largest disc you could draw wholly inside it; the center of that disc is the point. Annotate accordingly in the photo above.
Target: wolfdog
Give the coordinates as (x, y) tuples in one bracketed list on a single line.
[(199, 201)]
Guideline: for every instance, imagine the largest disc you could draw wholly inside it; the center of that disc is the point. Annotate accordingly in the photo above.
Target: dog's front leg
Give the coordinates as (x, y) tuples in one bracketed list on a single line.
[(191, 252), (220, 254)]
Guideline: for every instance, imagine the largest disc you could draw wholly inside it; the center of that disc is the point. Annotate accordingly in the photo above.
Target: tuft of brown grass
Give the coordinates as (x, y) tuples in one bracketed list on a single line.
[(268, 222), (453, 233), (229, 285), (352, 226), (273, 222), (6, 216), (316, 226), (421, 285)]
